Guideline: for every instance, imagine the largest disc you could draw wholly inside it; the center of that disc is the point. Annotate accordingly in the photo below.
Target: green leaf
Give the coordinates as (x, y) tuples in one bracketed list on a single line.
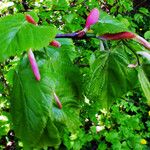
[(68, 88), (37, 120), (30, 107), (144, 11), (145, 84), (110, 78), (108, 24), (61, 4), (17, 35), (147, 35)]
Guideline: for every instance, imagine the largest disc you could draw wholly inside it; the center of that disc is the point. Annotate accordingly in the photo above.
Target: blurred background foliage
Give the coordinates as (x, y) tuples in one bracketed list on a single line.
[(127, 124)]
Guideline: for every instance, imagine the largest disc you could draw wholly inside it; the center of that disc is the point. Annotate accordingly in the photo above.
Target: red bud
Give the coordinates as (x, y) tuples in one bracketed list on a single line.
[(57, 101), (34, 65), (30, 19), (92, 18), (55, 43), (118, 36)]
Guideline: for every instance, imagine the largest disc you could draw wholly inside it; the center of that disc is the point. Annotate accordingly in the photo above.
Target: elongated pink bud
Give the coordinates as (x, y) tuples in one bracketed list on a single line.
[(118, 36), (34, 65), (142, 41), (30, 19), (55, 43), (92, 18), (57, 101)]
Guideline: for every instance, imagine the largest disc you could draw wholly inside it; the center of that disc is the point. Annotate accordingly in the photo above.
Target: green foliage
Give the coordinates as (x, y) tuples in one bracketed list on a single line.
[(120, 128), (87, 75)]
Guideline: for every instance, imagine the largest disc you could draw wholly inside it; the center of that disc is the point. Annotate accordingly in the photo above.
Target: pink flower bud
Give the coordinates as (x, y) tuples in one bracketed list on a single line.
[(142, 41), (92, 18), (55, 43), (30, 19), (57, 101), (118, 36), (34, 65)]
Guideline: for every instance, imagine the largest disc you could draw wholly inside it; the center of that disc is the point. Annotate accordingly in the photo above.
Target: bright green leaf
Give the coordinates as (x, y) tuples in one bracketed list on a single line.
[(18, 35), (147, 35)]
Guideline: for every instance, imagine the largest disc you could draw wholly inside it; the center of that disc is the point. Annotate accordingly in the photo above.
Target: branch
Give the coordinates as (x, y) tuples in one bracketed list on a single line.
[(76, 35)]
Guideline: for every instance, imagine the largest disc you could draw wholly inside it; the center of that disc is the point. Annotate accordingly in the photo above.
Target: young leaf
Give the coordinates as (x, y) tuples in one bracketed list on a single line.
[(145, 84), (18, 35)]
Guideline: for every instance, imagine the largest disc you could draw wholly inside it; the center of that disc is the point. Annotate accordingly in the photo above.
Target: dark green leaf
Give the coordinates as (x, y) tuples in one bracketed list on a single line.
[(111, 78)]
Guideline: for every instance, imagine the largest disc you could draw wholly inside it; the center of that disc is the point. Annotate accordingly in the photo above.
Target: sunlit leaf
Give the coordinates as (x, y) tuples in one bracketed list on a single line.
[(17, 35)]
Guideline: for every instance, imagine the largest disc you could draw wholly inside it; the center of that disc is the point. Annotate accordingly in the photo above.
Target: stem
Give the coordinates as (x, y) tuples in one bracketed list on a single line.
[(75, 35), (129, 47)]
